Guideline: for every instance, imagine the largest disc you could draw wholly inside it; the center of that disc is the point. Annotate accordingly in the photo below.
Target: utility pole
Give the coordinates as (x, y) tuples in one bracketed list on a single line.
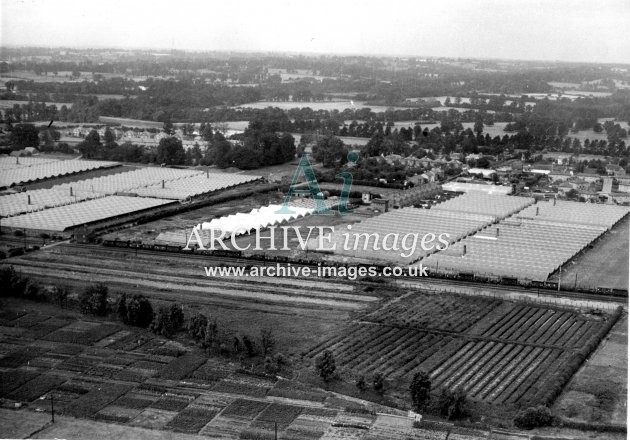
[(559, 278)]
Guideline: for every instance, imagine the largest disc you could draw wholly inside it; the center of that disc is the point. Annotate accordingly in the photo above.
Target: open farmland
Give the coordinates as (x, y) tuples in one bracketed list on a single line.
[(323, 105), (103, 372), (499, 352)]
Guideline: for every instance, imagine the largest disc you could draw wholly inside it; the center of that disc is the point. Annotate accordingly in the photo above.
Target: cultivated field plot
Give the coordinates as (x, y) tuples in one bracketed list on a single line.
[(598, 391), (105, 372), (498, 352), (49, 170), (67, 216)]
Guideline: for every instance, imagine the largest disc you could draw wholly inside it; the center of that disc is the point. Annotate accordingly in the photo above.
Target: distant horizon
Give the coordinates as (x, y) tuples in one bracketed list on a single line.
[(572, 31), (166, 51)]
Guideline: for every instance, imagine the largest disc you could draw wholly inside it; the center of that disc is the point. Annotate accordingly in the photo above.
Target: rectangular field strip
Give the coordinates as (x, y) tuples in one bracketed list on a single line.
[(497, 352)]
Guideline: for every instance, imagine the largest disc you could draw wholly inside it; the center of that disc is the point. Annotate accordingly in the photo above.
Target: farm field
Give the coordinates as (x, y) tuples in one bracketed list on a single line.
[(497, 351), (7, 103), (130, 122), (605, 265), (597, 393), (101, 372), (327, 105)]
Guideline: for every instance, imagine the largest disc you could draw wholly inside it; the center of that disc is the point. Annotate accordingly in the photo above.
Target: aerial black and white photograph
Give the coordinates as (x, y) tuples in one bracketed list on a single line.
[(331, 220)]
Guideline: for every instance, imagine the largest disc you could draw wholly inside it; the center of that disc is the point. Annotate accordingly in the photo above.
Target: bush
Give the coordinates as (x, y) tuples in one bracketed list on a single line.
[(280, 360), (13, 284), (161, 324), (121, 307), (533, 417), (136, 311), (267, 341), (326, 365), (33, 291), (59, 295), (167, 321), (420, 390), (197, 327), (249, 346), (453, 404), (378, 383), (360, 384), (176, 314), (93, 300), (270, 366)]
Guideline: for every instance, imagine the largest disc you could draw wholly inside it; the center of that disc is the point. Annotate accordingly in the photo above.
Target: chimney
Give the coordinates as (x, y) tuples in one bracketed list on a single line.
[(497, 232), (70, 191), (464, 251), (162, 184), (537, 209), (29, 199)]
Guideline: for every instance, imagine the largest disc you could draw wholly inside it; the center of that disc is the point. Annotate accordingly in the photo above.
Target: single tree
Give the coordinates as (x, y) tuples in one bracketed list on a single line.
[(379, 382), (23, 136), (325, 365), (249, 346), (361, 384), (139, 311), (93, 300), (420, 390), (453, 404), (197, 327), (171, 152), (267, 341)]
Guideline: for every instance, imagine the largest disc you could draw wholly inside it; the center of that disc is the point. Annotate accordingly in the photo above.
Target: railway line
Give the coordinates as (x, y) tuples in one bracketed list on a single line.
[(430, 283)]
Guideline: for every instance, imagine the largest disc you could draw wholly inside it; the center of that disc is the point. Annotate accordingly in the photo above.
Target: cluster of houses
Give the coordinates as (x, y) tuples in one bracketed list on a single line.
[(614, 187), (140, 137)]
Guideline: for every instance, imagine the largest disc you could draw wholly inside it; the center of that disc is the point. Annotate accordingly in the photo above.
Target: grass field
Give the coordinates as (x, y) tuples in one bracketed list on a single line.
[(6, 103), (605, 265), (598, 391)]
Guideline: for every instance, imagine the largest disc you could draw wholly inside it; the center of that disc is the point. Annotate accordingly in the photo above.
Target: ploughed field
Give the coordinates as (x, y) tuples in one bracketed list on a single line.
[(499, 352)]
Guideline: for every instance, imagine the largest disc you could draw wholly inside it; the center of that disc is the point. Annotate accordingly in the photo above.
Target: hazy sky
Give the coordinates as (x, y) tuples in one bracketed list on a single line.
[(568, 30)]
